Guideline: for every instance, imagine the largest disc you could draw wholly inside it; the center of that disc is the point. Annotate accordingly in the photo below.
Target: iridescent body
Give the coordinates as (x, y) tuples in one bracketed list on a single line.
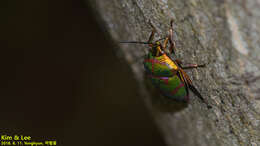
[(163, 72), (168, 74)]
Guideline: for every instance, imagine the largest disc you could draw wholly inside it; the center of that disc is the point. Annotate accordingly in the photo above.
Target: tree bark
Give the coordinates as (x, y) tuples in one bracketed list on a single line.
[(224, 34)]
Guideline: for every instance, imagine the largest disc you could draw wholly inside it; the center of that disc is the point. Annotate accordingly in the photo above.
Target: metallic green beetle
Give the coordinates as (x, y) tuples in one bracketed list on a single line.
[(168, 74)]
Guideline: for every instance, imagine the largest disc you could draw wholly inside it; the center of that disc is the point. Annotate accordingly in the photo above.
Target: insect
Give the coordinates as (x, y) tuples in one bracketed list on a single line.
[(166, 73)]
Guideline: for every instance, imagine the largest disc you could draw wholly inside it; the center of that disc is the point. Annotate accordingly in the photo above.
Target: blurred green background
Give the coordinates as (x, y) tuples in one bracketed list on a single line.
[(61, 80)]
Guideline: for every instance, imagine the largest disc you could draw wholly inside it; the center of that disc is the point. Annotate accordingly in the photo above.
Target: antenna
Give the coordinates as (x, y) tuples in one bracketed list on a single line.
[(134, 42)]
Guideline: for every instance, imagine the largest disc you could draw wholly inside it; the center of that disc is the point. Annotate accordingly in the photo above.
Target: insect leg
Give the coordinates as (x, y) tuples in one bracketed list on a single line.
[(188, 66), (165, 43), (152, 33), (172, 47)]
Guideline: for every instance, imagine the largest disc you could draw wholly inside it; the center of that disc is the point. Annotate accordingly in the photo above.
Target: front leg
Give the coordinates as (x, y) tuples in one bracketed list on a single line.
[(172, 43), (151, 37)]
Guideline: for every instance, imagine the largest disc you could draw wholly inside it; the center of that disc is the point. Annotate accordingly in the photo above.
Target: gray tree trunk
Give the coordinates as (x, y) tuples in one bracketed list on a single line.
[(225, 34)]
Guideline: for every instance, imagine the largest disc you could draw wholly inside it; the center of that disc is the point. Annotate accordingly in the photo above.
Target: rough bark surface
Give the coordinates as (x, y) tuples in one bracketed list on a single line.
[(225, 34)]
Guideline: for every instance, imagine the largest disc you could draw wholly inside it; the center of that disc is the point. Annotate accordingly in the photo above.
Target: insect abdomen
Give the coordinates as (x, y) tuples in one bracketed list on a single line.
[(171, 87), (162, 72)]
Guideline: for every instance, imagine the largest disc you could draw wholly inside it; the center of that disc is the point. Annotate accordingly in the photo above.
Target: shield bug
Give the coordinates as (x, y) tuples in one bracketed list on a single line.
[(166, 73)]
